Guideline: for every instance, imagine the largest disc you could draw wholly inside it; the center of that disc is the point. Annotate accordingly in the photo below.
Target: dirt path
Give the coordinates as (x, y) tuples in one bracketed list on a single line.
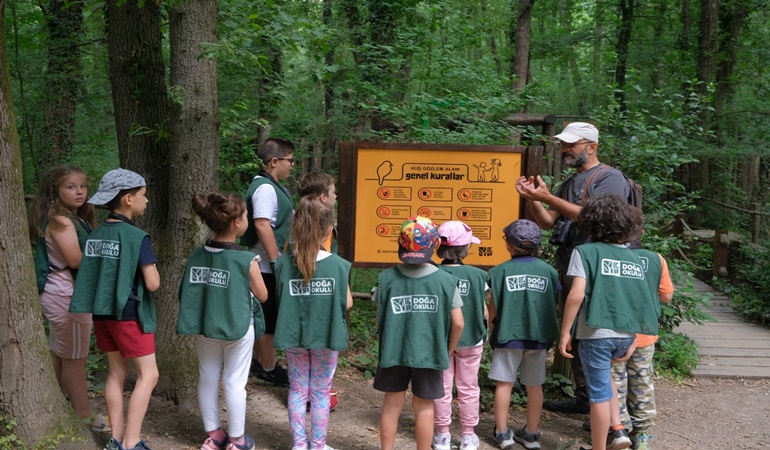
[(698, 414)]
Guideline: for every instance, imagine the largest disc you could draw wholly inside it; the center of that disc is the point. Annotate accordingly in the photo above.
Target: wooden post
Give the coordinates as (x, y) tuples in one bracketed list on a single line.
[(721, 245), (755, 222), (677, 228)]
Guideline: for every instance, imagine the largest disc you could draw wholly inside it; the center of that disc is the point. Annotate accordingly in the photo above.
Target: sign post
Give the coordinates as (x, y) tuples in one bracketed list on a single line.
[(381, 185)]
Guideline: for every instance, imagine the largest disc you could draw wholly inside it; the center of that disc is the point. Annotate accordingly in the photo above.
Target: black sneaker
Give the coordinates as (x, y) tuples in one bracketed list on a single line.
[(527, 439), (278, 376), (618, 439), (256, 369), (572, 405)]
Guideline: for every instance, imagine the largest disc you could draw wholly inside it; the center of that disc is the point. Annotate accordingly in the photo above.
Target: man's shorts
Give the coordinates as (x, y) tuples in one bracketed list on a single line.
[(427, 384), (124, 336), (506, 361), (596, 356), (69, 333), (270, 307)]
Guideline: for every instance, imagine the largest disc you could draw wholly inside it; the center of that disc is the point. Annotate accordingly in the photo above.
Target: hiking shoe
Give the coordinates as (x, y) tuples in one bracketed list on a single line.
[(278, 376), (641, 441), (504, 439), (98, 423), (441, 441), (248, 444), (618, 439), (527, 439), (141, 445), (469, 442), (113, 444), (212, 444), (572, 405)]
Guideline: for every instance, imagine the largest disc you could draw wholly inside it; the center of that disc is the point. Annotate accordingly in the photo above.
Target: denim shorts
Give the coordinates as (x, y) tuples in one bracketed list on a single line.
[(596, 356)]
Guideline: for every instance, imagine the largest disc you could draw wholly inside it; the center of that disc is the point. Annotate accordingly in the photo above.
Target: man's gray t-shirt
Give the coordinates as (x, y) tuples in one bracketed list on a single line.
[(611, 181)]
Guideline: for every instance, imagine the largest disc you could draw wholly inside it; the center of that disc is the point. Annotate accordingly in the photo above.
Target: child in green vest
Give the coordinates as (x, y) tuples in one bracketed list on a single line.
[(115, 282), (610, 302), (321, 186), (464, 362), (60, 221), (217, 303), (635, 377), (270, 210), (522, 309), (420, 321), (313, 293)]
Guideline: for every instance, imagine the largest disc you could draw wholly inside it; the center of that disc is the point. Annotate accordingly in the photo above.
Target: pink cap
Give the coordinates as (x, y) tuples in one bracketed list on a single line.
[(455, 234)]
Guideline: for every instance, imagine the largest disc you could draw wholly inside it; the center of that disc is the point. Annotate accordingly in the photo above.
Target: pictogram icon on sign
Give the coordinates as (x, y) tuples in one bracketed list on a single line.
[(425, 194), (383, 212), (464, 195), (424, 211), (384, 193), (464, 213), (383, 230)]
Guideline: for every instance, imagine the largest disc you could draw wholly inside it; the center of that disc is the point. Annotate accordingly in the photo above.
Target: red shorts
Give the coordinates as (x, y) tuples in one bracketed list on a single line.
[(125, 336)]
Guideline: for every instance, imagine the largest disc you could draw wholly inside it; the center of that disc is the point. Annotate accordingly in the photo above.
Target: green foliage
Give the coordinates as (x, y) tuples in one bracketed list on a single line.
[(750, 282), (687, 304), (676, 355)]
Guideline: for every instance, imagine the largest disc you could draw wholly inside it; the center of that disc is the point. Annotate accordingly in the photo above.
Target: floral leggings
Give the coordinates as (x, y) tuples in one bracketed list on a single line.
[(310, 378)]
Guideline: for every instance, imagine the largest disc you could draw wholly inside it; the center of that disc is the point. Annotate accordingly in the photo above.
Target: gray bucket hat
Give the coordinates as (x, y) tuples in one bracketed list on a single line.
[(113, 182), (523, 233)]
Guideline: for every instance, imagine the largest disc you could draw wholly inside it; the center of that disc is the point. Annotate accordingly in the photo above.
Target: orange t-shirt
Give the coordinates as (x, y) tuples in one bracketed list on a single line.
[(665, 287)]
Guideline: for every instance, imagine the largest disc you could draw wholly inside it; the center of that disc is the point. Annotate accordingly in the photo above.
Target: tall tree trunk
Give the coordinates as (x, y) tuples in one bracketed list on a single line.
[(521, 41), (574, 69), (621, 50), (658, 28), (707, 47), (686, 17), (140, 100), (325, 159), (29, 394), (731, 19), (194, 157), (63, 79)]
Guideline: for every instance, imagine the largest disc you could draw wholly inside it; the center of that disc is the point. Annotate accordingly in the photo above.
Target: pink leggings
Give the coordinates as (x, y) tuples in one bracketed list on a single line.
[(464, 372), (310, 378)]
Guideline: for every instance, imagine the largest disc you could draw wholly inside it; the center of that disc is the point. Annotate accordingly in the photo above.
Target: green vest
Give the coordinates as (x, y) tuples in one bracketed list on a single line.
[(414, 317), (472, 283), (312, 316), (619, 291), (282, 222), (215, 298), (42, 263), (106, 274), (525, 300)]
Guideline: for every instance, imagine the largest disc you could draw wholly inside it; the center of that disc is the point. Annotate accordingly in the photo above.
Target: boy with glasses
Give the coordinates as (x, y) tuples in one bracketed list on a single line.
[(270, 210)]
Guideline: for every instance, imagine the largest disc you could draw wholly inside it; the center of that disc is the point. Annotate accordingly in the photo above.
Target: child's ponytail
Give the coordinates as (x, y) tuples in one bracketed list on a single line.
[(217, 210), (310, 228)]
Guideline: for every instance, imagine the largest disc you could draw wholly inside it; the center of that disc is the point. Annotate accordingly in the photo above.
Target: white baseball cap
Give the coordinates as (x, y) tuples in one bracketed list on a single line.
[(577, 131)]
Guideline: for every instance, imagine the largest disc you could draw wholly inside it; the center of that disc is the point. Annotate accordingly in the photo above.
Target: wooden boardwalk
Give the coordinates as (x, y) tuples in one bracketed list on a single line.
[(729, 347)]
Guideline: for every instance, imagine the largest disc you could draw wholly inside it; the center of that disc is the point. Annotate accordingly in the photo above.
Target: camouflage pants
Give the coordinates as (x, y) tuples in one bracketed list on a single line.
[(636, 393)]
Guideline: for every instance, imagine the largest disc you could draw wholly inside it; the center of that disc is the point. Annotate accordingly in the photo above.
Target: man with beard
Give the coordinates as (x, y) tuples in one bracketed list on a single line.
[(579, 142)]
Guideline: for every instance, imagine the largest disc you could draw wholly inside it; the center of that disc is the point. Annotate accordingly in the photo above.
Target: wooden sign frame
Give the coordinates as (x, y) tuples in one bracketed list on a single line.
[(381, 184)]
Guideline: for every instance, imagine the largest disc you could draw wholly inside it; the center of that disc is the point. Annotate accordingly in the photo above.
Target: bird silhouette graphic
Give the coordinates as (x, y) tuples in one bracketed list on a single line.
[(384, 170)]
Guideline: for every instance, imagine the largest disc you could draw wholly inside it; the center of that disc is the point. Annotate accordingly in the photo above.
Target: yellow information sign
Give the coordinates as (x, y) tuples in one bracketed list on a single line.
[(381, 185)]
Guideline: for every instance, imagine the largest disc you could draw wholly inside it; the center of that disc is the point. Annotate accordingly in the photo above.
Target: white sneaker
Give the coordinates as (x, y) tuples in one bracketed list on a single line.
[(469, 442), (442, 441)]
